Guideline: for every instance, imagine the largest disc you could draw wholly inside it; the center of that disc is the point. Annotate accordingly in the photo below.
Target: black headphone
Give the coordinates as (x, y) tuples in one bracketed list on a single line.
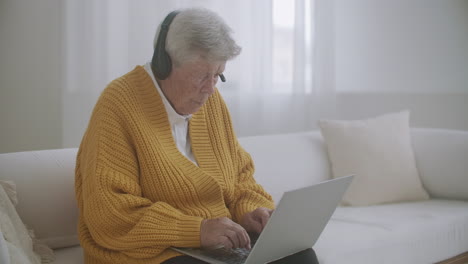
[(161, 61)]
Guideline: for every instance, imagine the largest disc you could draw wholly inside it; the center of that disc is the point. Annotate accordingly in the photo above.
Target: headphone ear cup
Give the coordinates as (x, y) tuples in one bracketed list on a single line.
[(162, 65), (161, 61), (167, 65)]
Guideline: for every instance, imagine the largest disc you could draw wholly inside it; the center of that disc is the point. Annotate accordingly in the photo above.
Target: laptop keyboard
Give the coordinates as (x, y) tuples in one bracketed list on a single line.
[(229, 256)]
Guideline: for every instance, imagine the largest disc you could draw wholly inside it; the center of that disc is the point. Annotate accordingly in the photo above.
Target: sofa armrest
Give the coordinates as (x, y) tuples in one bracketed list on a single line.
[(442, 161), (46, 196)]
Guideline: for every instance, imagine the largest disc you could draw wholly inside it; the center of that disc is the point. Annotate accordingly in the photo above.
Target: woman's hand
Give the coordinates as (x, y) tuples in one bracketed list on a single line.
[(223, 232), (256, 220)]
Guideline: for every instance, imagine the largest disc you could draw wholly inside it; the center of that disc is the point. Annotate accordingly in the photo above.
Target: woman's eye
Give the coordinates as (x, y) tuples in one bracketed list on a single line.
[(204, 78)]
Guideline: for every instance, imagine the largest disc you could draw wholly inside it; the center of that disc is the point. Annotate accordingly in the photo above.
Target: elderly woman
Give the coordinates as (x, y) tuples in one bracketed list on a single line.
[(159, 165)]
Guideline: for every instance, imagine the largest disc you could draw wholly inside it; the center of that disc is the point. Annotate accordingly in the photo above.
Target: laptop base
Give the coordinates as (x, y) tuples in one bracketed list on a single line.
[(306, 256)]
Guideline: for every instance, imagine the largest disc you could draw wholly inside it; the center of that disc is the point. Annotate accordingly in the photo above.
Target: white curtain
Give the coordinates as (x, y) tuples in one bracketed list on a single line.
[(281, 82)]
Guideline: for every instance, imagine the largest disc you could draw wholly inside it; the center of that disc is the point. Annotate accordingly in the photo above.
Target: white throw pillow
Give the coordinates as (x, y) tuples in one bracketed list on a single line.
[(4, 253), (379, 152), (16, 238)]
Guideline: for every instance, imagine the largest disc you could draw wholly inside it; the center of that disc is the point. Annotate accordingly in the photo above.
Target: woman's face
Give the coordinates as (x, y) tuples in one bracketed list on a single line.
[(189, 85)]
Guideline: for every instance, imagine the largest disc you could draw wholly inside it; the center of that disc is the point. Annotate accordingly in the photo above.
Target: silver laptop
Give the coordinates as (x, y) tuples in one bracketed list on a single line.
[(295, 225)]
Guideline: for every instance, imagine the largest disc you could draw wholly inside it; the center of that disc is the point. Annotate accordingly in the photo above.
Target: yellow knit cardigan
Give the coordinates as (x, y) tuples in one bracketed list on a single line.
[(137, 194)]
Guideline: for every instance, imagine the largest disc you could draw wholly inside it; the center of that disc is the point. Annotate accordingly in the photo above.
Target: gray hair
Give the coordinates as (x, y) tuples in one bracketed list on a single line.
[(199, 32)]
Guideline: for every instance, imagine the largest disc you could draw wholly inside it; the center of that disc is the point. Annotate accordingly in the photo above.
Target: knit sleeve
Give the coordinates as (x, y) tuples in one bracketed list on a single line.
[(249, 195), (119, 218), (115, 214)]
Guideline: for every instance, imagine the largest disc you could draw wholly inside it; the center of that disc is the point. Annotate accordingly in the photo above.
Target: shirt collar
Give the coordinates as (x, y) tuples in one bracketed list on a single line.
[(171, 113)]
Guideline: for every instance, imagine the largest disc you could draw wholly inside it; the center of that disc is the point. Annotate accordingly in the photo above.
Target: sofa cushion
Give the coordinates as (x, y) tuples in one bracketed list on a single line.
[(406, 233), (288, 161), (380, 153)]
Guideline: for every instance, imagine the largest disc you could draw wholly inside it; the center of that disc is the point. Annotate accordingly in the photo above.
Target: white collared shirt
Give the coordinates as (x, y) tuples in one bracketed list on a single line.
[(179, 123)]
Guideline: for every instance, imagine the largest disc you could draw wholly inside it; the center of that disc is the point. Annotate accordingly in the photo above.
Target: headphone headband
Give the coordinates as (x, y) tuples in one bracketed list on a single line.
[(168, 20)]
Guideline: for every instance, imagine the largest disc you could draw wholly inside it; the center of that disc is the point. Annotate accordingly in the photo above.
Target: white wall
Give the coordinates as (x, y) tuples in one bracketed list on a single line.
[(401, 54), (426, 109), (30, 114), (413, 51), (401, 45)]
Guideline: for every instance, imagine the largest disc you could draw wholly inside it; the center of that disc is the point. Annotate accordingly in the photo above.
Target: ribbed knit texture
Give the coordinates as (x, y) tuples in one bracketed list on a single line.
[(137, 194)]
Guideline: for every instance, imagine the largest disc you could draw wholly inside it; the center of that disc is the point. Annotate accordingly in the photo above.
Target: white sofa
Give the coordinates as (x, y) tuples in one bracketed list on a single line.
[(418, 232)]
